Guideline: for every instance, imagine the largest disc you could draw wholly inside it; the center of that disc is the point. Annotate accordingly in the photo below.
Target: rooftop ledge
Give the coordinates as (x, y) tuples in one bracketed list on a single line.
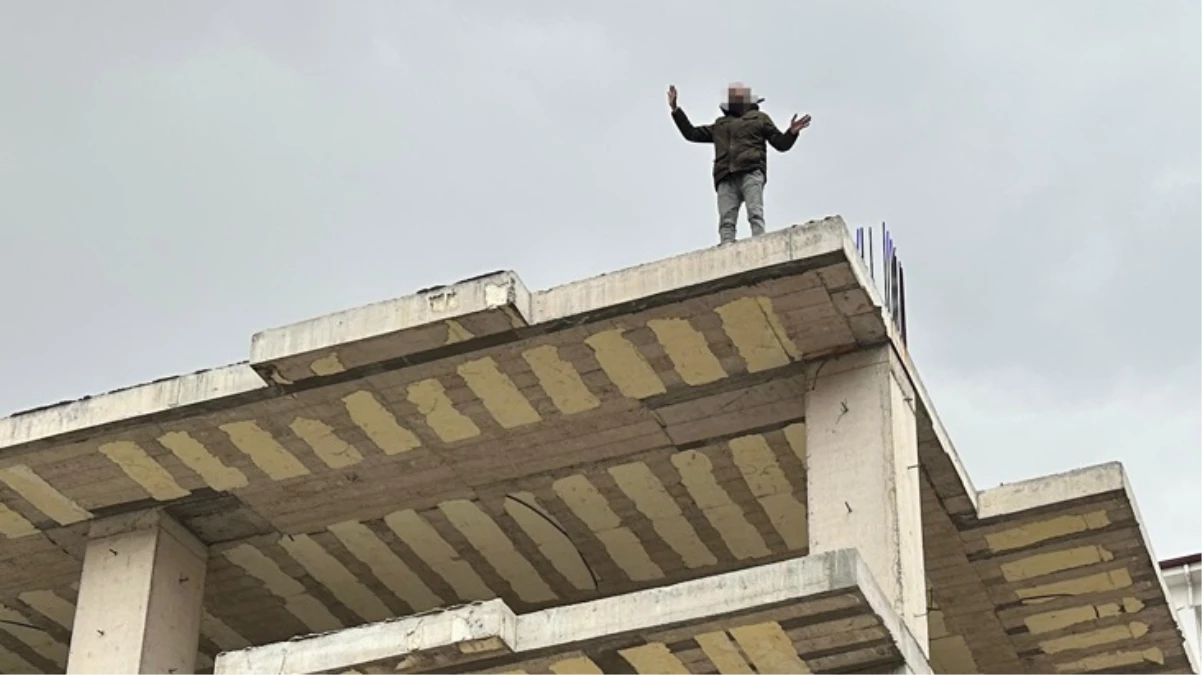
[(473, 314), (429, 323)]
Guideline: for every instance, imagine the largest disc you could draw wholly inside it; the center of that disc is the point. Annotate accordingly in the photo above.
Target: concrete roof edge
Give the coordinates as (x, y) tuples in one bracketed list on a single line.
[(1052, 489), (173, 393), (574, 298), (393, 315), (138, 402), (797, 242)]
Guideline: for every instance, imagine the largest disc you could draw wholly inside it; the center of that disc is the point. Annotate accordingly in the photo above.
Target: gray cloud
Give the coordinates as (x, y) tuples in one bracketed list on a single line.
[(173, 178)]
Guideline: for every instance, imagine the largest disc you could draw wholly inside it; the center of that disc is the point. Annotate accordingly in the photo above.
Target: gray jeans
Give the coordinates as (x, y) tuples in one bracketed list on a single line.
[(733, 192)]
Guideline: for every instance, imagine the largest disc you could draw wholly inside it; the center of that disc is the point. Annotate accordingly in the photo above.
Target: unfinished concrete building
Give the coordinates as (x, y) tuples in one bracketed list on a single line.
[(723, 462)]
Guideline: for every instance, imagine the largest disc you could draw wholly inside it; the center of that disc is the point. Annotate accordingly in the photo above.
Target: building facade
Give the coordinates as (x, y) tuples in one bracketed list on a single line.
[(721, 462), (1183, 578)]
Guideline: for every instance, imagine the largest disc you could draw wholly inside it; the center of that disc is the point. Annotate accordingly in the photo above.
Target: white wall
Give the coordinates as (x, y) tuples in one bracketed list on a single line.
[(1185, 595)]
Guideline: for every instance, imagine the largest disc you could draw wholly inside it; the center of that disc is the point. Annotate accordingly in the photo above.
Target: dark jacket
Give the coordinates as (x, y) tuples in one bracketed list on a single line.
[(739, 139)]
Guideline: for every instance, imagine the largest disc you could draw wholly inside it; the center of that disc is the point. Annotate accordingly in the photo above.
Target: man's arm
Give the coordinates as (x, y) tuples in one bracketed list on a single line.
[(702, 134), (691, 133), (782, 141)]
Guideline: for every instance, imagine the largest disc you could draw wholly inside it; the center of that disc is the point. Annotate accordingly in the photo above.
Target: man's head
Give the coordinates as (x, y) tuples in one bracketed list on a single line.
[(738, 95)]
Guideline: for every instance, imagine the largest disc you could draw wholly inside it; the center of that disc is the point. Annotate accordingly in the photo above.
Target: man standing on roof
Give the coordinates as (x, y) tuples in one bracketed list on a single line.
[(740, 155)]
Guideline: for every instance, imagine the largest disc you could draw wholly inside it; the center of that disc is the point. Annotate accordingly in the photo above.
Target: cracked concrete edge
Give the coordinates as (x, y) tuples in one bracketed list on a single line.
[(562, 627), (395, 638), (490, 291)]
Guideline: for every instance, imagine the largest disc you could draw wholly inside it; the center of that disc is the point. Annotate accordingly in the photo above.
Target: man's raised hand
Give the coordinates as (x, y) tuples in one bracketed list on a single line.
[(672, 97), (796, 125)]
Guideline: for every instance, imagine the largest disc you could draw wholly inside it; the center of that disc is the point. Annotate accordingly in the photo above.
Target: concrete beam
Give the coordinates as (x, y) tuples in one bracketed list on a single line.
[(427, 642), (174, 395), (392, 329), (692, 600), (140, 598), (862, 475), (490, 630)]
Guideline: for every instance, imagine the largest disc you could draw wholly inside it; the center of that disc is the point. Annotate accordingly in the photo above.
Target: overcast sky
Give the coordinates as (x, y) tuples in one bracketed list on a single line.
[(176, 176)]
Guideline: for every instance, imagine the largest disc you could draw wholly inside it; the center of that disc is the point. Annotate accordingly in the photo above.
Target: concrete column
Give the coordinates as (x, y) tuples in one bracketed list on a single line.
[(140, 599), (863, 476)]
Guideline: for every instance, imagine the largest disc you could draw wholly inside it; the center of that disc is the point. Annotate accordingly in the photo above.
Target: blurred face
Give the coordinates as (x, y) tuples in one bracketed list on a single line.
[(738, 94)]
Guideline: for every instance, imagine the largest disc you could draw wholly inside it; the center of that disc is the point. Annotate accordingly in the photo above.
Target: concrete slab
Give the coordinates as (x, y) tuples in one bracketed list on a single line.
[(819, 612), (1072, 576)]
